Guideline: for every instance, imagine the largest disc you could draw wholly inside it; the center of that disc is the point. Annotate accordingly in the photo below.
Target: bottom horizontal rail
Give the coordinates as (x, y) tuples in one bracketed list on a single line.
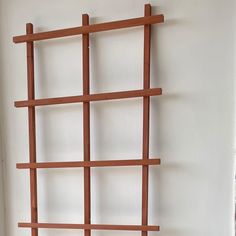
[(132, 162), (90, 226)]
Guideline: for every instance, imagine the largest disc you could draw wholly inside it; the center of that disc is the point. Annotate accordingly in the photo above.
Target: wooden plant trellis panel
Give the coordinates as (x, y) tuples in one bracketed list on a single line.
[(85, 99)]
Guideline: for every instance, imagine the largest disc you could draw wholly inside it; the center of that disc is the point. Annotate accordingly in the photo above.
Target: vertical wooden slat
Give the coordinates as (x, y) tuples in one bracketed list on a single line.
[(86, 126), (146, 110), (32, 130)]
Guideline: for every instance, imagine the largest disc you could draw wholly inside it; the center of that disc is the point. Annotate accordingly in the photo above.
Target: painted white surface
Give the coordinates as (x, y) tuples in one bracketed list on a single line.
[(2, 205), (191, 194)]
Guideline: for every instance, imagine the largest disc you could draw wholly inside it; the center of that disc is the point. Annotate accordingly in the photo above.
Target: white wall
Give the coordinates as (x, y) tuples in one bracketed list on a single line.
[(2, 205), (191, 193)]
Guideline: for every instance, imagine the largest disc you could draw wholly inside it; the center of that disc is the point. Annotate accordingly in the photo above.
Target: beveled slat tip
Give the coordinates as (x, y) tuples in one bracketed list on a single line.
[(162, 18), (14, 40), (85, 15), (29, 24), (16, 104)]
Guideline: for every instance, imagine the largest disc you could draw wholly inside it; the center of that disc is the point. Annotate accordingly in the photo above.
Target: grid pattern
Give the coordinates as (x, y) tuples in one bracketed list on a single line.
[(85, 99)]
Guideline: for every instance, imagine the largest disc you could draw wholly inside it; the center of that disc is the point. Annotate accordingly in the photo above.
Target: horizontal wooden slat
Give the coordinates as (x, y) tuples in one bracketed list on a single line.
[(89, 29), (134, 162), (90, 226), (88, 98)]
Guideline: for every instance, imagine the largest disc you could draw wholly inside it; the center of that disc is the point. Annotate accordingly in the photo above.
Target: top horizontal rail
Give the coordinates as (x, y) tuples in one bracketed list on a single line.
[(89, 29)]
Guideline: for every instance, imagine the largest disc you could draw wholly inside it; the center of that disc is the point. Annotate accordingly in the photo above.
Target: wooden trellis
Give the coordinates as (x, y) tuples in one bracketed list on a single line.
[(86, 98)]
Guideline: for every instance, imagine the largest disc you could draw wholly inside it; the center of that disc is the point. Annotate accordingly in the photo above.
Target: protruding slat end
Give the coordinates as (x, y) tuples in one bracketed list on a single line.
[(162, 18), (29, 28)]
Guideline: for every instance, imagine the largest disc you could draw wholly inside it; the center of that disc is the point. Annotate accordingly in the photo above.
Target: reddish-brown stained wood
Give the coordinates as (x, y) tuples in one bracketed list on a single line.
[(133, 162), (86, 126), (89, 98), (90, 226), (90, 29), (86, 98), (32, 130), (146, 110)]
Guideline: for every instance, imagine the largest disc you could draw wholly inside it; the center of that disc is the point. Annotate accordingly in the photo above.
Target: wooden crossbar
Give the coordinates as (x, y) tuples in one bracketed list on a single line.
[(89, 29), (133, 162), (89, 98), (90, 226)]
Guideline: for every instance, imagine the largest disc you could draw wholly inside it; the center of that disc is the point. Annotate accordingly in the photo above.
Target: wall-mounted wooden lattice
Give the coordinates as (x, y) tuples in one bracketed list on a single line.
[(86, 98)]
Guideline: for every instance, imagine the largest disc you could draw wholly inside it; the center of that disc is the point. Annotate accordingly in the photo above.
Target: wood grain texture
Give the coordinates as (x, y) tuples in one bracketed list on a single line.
[(90, 29), (146, 111), (90, 226), (32, 130), (86, 127), (89, 98), (132, 162)]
